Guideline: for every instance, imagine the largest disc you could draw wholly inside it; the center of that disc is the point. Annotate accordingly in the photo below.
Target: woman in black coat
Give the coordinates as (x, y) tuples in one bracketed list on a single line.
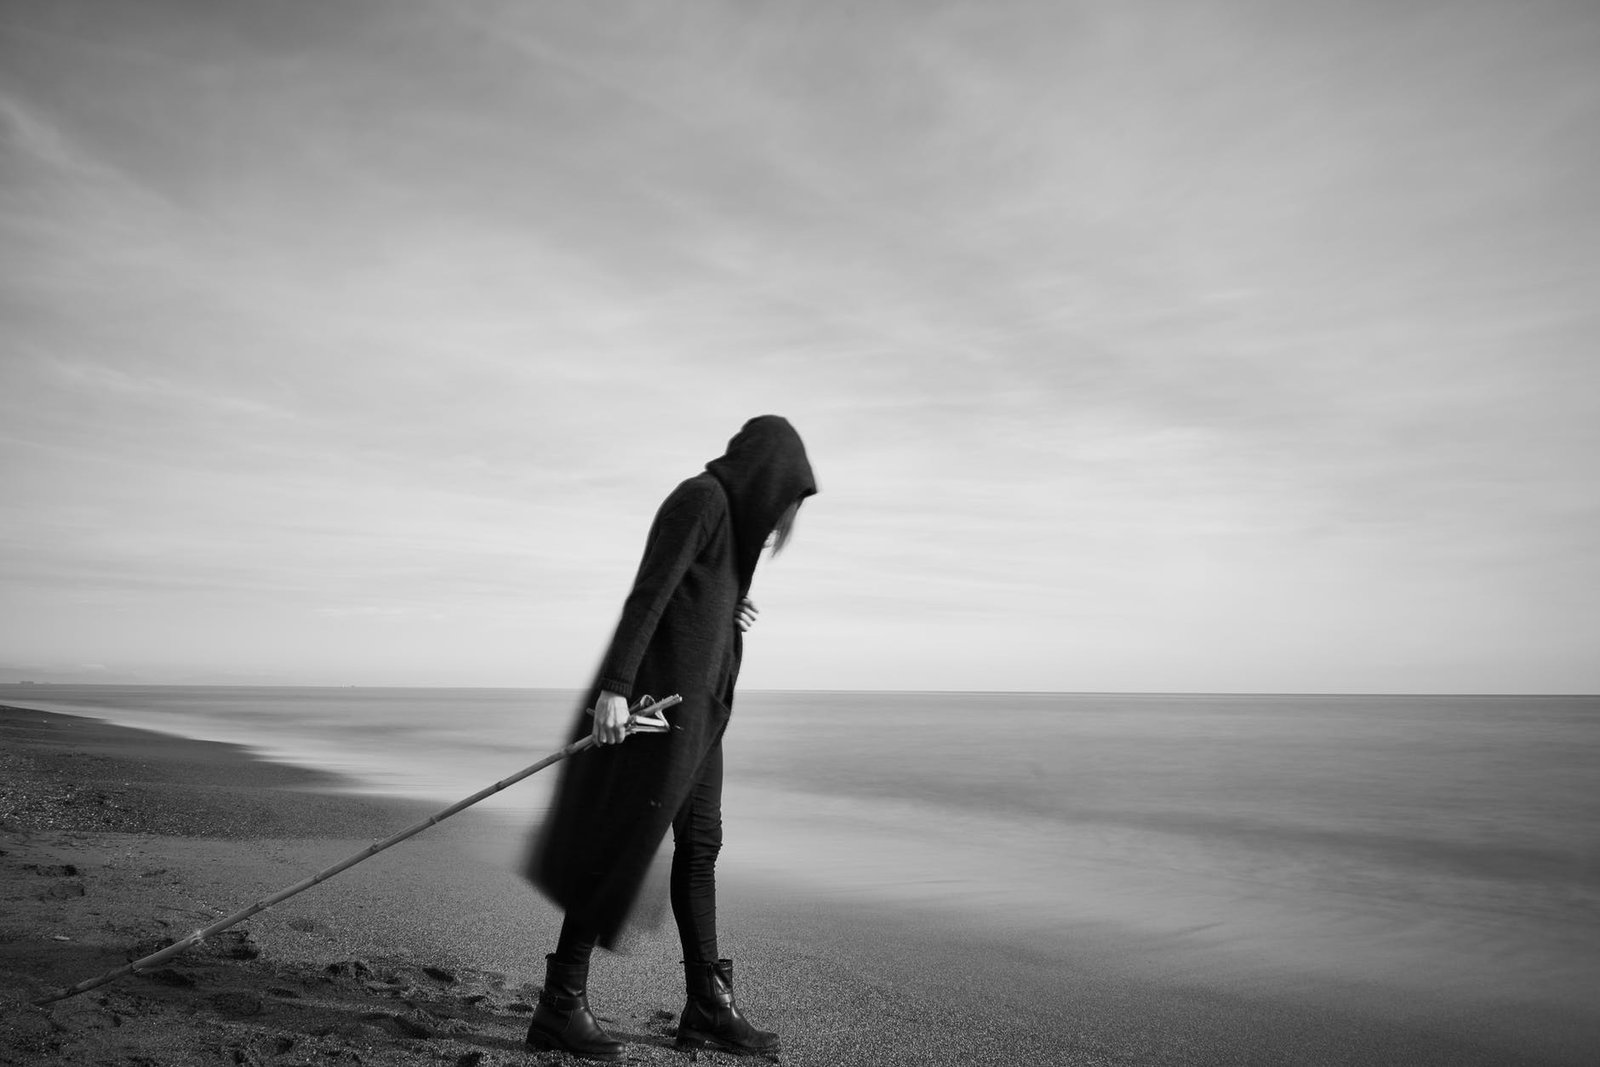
[(680, 632)]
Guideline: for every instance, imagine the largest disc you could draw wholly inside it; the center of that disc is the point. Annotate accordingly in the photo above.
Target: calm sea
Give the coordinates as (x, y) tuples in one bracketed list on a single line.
[(1448, 844)]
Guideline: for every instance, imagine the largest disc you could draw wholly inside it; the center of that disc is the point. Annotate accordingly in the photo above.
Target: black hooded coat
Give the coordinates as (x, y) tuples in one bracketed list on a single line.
[(613, 805)]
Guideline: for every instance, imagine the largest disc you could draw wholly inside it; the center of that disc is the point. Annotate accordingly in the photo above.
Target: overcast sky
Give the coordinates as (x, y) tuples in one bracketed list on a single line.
[(1137, 346)]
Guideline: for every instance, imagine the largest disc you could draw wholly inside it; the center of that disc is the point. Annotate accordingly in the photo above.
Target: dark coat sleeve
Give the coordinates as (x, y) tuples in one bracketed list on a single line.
[(676, 537)]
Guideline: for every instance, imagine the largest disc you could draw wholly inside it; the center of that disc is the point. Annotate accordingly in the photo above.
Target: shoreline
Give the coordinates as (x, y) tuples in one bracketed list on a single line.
[(116, 837)]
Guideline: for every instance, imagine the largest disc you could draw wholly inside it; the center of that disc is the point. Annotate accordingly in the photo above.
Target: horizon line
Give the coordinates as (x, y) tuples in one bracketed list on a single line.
[(876, 690)]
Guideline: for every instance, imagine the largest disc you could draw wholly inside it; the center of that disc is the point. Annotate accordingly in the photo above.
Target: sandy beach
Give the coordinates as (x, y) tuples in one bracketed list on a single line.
[(115, 841)]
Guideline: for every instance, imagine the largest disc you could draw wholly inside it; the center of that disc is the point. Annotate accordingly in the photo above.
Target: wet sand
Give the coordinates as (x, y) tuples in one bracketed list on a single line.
[(116, 841)]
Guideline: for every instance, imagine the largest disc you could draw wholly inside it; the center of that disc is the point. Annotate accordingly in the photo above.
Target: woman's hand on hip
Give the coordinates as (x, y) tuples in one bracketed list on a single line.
[(745, 614), (610, 718)]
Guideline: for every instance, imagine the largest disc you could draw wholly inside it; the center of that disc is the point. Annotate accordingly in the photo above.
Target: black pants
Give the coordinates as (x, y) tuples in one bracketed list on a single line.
[(696, 841)]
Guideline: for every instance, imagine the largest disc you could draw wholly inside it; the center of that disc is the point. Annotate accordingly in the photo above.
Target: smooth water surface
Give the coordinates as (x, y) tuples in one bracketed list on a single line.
[(1447, 845)]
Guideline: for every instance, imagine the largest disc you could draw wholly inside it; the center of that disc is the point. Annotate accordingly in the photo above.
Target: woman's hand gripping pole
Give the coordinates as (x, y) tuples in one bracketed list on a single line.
[(615, 722)]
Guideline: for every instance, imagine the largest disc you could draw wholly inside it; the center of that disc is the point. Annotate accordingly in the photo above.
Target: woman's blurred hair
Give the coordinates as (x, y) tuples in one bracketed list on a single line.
[(785, 527)]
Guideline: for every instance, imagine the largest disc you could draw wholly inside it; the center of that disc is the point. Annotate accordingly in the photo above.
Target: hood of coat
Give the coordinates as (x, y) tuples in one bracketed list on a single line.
[(763, 471)]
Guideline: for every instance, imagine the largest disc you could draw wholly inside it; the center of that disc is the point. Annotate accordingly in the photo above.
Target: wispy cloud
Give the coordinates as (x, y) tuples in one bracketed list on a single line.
[(1126, 340)]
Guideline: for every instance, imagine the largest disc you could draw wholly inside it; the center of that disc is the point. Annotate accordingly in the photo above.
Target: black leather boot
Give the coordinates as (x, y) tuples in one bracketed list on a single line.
[(712, 1018), (562, 1021)]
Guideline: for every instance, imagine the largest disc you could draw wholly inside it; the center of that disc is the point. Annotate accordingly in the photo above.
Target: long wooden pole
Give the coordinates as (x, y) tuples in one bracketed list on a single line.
[(638, 721)]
